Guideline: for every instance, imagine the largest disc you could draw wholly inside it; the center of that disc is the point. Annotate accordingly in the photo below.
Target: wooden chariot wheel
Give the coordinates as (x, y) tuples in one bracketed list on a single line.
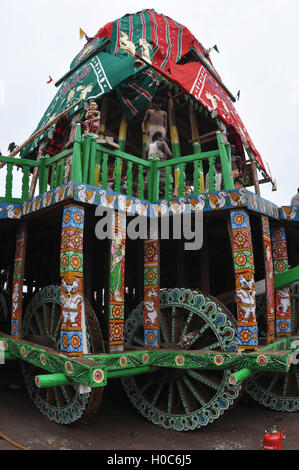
[(41, 325), (182, 399), (278, 391)]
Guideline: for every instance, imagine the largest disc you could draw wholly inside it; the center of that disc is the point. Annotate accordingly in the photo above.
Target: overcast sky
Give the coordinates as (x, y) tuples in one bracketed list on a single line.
[(258, 42)]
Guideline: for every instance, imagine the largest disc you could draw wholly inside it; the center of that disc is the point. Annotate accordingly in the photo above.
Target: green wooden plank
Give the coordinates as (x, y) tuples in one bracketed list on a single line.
[(168, 183), (140, 182), (25, 183), (92, 162), (8, 180), (53, 183), (228, 180), (130, 179), (286, 278), (86, 158), (76, 170), (212, 172), (104, 172), (118, 172), (182, 180)]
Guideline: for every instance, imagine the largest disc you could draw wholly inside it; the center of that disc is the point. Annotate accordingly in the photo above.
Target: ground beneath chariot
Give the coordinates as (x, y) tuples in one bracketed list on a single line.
[(117, 425)]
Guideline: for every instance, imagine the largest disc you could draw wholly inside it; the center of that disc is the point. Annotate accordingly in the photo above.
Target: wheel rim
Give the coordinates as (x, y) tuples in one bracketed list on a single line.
[(42, 320), (184, 400), (274, 390), (277, 391)]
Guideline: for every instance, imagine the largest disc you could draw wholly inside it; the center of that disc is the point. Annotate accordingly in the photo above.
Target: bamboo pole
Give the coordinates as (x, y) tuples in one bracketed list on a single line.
[(41, 131)]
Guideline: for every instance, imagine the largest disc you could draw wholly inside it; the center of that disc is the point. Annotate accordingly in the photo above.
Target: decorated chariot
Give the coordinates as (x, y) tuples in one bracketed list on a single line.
[(185, 330)]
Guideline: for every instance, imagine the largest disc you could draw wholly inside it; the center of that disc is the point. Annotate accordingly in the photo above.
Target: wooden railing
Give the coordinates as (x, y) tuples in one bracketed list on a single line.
[(51, 173), (100, 166), (7, 178)]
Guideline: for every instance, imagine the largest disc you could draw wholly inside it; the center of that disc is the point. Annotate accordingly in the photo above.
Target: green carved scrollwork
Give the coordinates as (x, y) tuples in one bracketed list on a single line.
[(184, 400)]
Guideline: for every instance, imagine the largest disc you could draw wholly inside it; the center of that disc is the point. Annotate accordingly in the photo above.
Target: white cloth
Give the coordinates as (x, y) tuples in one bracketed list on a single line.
[(154, 151)]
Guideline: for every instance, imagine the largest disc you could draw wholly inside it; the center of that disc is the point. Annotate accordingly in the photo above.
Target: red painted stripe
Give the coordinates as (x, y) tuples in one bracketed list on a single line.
[(131, 28), (118, 38), (130, 106), (143, 25), (141, 90)]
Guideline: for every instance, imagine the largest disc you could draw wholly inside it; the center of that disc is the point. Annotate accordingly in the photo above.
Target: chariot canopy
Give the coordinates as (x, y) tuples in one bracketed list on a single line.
[(107, 62)]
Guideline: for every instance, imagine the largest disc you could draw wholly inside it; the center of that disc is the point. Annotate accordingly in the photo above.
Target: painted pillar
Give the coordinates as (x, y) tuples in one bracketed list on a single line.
[(73, 329), (175, 144), (282, 295), (123, 132), (152, 293), (117, 283), (104, 109), (269, 278), (196, 149), (18, 279), (241, 242)]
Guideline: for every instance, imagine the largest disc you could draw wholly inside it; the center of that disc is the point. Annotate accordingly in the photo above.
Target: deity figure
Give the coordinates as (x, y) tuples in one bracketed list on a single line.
[(92, 119), (116, 276)]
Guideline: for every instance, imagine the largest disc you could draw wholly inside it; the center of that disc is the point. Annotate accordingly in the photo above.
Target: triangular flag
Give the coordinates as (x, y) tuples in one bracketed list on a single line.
[(82, 33), (216, 48)]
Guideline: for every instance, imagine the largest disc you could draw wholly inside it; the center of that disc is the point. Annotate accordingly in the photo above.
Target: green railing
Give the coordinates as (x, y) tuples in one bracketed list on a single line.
[(7, 178), (51, 173), (100, 166), (151, 179)]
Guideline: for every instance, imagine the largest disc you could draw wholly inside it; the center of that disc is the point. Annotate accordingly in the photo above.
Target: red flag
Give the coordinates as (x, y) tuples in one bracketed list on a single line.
[(51, 80)]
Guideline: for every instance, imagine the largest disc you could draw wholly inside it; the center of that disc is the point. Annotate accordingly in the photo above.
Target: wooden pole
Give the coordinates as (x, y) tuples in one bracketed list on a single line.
[(35, 173), (196, 145), (41, 131)]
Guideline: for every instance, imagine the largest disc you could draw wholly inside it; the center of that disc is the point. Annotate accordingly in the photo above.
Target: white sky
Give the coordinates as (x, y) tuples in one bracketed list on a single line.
[(258, 42)]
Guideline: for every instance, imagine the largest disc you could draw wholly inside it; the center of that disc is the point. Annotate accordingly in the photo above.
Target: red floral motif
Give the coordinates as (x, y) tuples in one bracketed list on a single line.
[(151, 252), (117, 311), (241, 259), (239, 219), (150, 338), (65, 341), (117, 332), (245, 336), (75, 341), (78, 217), (76, 262), (67, 217), (64, 261)]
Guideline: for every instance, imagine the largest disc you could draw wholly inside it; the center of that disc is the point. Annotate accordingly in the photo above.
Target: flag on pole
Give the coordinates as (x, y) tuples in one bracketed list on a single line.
[(82, 33)]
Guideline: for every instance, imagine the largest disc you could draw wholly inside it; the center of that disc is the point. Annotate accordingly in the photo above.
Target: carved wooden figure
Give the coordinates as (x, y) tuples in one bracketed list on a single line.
[(282, 295), (117, 282), (269, 277), (241, 241), (18, 278), (73, 334)]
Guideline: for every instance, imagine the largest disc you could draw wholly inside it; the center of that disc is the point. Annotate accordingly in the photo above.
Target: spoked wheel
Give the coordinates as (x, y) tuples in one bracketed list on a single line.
[(277, 391), (274, 390), (42, 320), (184, 400)]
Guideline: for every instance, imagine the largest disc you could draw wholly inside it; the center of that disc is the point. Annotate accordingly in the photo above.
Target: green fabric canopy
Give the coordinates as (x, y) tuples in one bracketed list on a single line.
[(96, 76)]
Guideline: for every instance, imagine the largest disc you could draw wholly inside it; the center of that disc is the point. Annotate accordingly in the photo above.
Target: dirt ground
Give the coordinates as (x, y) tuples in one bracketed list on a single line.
[(118, 426)]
